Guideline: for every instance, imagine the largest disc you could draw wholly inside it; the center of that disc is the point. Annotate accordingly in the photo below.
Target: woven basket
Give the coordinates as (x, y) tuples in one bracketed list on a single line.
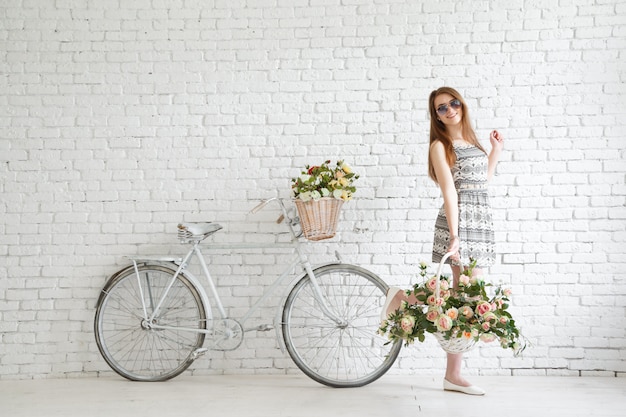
[(454, 344), (319, 218)]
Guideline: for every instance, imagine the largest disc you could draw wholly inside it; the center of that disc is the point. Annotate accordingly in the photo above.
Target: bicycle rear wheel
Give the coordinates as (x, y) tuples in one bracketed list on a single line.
[(350, 354), (129, 344)]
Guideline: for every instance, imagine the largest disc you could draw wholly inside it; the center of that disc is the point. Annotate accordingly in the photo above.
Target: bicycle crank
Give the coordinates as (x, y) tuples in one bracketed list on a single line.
[(227, 334)]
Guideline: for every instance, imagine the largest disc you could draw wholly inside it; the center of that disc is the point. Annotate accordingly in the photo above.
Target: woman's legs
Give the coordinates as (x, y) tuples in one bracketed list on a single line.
[(395, 303), (455, 360)]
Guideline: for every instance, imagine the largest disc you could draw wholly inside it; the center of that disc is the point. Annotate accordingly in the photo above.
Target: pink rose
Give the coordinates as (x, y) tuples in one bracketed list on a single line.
[(434, 301), (432, 284), (432, 315), (464, 280), (507, 292), (486, 326), (443, 323), (482, 308), (444, 285), (466, 311), (453, 313), (489, 317), (407, 323), (504, 319)]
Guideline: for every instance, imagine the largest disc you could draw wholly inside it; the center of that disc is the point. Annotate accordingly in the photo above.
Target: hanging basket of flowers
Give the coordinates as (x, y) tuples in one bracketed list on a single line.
[(454, 344), (457, 317), (319, 193)]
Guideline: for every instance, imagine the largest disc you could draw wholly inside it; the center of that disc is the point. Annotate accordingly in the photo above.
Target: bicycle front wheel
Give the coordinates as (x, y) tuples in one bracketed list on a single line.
[(346, 354), (133, 346)]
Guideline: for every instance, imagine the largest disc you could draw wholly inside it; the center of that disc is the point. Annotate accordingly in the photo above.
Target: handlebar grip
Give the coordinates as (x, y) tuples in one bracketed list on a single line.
[(260, 206)]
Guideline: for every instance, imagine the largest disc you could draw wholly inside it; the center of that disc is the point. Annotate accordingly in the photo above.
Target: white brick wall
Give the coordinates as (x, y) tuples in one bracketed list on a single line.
[(119, 119)]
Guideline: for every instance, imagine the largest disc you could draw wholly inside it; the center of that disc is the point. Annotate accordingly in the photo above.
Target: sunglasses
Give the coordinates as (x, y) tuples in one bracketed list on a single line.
[(443, 109)]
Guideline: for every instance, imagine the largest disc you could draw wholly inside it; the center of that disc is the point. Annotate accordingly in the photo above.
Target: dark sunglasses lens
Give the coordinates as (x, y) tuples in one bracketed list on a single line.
[(443, 109)]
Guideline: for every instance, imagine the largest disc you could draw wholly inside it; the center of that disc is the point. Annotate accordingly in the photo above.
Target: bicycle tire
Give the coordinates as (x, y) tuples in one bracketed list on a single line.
[(349, 355), (131, 348)]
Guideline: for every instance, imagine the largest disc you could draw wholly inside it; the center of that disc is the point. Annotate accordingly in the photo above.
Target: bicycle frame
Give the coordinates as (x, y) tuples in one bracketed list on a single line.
[(298, 258)]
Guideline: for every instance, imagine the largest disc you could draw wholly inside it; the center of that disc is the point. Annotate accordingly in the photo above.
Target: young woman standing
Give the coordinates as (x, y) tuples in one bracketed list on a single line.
[(461, 167)]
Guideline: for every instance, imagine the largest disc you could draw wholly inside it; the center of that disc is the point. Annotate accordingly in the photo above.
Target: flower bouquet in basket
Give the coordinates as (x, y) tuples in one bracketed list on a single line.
[(458, 317), (319, 193)]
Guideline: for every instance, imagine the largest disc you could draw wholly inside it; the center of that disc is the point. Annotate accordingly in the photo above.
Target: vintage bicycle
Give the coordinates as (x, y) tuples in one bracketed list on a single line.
[(154, 318)]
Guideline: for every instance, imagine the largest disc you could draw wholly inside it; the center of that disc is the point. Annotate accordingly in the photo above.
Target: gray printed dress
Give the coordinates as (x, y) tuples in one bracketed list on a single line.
[(476, 237)]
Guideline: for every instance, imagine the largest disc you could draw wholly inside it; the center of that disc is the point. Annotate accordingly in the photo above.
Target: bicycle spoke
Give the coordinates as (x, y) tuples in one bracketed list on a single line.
[(346, 354), (138, 349)]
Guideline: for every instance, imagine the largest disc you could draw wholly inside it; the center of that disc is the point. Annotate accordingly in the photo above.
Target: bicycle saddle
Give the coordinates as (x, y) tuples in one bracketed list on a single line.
[(196, 231)]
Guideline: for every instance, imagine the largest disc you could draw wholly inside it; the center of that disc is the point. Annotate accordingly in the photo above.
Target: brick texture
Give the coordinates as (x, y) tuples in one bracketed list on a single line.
[(120, 119)]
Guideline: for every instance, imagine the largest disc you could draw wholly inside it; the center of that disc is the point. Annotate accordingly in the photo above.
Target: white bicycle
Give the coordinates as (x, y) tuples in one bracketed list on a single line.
[(153, 317)]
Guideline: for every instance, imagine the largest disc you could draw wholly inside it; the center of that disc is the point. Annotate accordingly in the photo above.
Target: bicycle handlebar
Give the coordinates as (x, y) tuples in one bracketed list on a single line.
[(285, 215), (261, 205)]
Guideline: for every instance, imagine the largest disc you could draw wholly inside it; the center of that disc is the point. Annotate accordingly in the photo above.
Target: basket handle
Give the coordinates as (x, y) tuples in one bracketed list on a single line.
[(439, 269), (442, 262)]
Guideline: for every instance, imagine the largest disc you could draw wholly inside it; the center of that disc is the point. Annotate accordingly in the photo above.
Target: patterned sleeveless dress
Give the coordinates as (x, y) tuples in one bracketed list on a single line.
[(476, 237)]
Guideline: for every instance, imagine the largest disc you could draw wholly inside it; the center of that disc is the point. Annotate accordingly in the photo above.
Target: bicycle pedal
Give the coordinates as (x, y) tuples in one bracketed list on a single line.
[(264, 328), (198, 352)]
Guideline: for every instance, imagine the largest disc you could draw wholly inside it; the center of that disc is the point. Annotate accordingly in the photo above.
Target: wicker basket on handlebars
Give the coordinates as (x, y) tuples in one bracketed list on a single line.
[(319, 218)]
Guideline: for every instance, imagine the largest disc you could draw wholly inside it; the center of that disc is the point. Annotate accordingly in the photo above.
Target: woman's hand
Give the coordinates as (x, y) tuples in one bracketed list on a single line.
[(497, 144), (497, 141), (454, 247)]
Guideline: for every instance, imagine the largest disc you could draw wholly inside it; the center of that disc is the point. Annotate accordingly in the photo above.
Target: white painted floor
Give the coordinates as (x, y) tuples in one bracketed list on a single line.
[(260, 396)]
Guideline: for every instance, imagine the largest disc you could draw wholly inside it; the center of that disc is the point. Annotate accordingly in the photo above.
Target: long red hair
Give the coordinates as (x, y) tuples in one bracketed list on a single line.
[(439, 133)]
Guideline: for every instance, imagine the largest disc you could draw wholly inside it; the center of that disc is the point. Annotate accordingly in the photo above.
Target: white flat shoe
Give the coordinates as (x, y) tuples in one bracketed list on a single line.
[(391, 294), (471, 390)]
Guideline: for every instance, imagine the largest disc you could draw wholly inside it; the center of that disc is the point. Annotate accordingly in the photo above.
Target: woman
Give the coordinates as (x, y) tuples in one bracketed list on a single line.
[(461, 167)]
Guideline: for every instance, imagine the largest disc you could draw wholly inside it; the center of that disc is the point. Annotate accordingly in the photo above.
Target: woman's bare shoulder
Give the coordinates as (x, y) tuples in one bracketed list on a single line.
[(437, 146)]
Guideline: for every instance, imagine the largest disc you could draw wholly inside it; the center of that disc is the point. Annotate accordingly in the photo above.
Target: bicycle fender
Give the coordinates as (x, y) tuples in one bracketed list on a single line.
[(303, 274), (111, 279), (113, 276), (173, 267)]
